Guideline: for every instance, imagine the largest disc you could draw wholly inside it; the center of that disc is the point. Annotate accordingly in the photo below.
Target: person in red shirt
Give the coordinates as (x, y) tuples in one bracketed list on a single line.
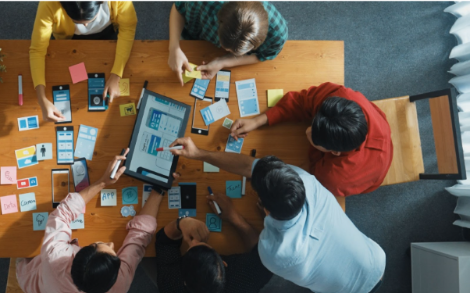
[(351, 140)]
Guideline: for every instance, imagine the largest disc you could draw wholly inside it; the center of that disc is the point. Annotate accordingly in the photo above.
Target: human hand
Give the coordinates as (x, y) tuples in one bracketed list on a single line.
[(50, 112), (241, 127), (209, 70), (178, 63), (190, 151), (194, 231), (106, 178), (225, 203), (112, 87)]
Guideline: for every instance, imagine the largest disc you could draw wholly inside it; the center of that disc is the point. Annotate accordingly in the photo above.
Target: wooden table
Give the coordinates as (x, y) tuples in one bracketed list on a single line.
[(301, 64)]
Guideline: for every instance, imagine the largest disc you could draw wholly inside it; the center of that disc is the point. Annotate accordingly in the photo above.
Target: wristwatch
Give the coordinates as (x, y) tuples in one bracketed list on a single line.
[(178, 222)]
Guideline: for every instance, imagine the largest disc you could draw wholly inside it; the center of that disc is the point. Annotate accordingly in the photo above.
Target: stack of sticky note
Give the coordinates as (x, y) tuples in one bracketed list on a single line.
[(274, 96), (188, 75)]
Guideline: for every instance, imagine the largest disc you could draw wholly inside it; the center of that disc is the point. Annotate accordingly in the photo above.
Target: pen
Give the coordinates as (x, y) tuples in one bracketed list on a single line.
[(253, 154), (215, 203), (20, 89), (178, 147), (142, 94), (116, 167)]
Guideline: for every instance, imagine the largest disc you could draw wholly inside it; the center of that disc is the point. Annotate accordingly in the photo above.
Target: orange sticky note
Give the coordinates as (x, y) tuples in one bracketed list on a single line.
[(78, 73)]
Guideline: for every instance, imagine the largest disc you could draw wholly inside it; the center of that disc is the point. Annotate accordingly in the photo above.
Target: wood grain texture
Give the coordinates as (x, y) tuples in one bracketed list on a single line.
[(407, 160), (301, 64), (12, 282)]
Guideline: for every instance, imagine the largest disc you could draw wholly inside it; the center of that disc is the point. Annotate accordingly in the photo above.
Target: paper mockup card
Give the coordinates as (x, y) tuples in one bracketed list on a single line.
[(78, 73), (44, 151), (210, 168), (40, 221), (27, 182), (108, 197), (274, 96), (227, 123), (174, 198), (233, 189), (27, 123), (9, 204), (26, 157), (129, 195), (213, 223), (194, 73), (86, 142), (146, 193), (234, 146), (215, 112), (124, 87), (127, 109), (247, 97), (28, 202), (8, 175), (78, 223)]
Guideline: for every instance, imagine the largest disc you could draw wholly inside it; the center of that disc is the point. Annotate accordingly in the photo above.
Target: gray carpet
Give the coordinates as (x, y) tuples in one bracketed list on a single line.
[(391, 49)]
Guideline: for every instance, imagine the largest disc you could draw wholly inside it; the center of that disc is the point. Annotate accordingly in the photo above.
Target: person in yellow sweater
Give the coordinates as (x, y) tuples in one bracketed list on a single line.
[(81, 20)]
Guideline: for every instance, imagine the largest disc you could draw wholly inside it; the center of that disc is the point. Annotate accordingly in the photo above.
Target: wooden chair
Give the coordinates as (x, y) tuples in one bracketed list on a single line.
[(12, 282)]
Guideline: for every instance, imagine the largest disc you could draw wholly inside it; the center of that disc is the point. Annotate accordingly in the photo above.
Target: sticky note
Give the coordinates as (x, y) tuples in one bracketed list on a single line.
[(185, 78), (274, 96), (28, 202), (40, 221), (26, 157), (127, 109), (78, 223), (233, 189), (146, 193), (210, 168), (227, 123), (44, 151), (9, 204), (78, 73), (8, 175), (234, 146), (193, 74), (124, 87), (129, 195), (213, 223), (108, 197)]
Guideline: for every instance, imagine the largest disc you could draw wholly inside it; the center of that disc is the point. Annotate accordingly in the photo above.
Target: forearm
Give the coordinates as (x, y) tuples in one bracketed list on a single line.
[(176, 27), (230, 162), (152, 205), (92, 190), (172, 232), (41, 94), (231, 60), (248, 234)]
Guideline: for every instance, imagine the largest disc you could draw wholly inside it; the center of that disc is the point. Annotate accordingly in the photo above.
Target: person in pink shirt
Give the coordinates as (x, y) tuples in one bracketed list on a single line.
[(64, 266)]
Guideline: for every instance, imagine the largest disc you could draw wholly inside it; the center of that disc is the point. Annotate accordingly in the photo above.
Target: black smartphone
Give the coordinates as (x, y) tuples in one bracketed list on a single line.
[(222, 85), (96, 82), (188, 195), (81, 180), (64, 145), (61, 97), (60, 179), (199, 126)]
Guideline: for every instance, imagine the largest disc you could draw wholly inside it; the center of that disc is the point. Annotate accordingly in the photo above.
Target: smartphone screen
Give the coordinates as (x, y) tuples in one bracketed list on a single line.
[(199, 88), (64, 144), (96, 84), (60, 185), (199, 126), (61, 96), (188, 196), (80, 174), (222, 85)]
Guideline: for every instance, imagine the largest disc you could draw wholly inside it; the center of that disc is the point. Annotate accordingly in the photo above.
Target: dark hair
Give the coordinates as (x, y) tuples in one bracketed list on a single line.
[(279, 188), (81, 10), (94, 271), (243, 26), (203, 270), (339, 125)]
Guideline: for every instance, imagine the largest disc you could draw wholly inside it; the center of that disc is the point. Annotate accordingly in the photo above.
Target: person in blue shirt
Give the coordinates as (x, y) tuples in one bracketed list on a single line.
[(307, 238)]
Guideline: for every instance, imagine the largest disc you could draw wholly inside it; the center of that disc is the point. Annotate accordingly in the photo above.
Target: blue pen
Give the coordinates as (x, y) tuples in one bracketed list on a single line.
[(215, 203)]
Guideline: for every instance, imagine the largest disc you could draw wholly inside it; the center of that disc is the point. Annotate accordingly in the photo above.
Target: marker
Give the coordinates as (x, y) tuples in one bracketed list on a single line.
[(178, 147), (116, 167), (142, 94), (253, 154), (20, 89), (215, 203)]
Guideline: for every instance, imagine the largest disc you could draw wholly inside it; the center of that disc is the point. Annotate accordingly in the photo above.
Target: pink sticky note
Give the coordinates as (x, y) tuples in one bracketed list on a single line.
[(8, 175), (78, 72), (9, 204)]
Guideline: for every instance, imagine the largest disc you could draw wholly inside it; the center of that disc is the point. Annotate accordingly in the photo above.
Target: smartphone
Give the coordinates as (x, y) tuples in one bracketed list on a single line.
[(188, 195), (61, 97), (199, 88), (199, 126), (64, 147), (80, 174), (60, 179), (222, 85), (96, 82)]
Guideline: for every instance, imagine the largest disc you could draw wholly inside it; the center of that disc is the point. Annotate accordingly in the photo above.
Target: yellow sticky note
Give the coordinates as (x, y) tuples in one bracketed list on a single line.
[(186, 79), (124, 87), (194, 73), (127, 109), (274, 96)]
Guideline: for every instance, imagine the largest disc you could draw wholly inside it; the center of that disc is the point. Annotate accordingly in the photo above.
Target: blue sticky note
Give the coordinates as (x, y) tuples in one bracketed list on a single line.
[(213, 223), (187, 212), (27, 202), (78, 223), (233, 189), (129, 195), (40, 221)]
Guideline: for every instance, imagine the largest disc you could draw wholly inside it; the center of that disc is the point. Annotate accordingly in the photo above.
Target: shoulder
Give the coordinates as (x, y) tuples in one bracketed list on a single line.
[(46, 8)]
